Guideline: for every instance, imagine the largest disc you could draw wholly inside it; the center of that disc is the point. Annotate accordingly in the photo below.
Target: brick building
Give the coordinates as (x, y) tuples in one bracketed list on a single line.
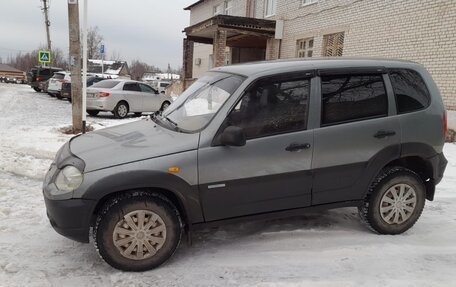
[(246, 30)]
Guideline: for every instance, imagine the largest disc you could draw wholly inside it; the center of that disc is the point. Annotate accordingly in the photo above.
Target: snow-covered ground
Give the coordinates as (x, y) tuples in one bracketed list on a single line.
[(330, 248)]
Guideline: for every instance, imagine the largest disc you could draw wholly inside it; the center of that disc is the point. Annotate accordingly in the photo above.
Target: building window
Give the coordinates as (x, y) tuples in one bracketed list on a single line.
[(308, 2), (218, 9), (304, 48), (229, 7), (333, 44), (270, 7)]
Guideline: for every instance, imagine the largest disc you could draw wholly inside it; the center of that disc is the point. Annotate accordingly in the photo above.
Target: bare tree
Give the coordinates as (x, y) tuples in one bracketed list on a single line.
[(94, 40), (115, 56)]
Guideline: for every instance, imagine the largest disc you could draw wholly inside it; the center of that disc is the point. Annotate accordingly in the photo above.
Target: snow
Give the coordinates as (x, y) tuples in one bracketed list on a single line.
[(331, 248)]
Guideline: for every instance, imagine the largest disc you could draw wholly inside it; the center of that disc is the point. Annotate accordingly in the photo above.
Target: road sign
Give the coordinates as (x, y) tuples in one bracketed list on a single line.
[(44, 56), (102, 49)]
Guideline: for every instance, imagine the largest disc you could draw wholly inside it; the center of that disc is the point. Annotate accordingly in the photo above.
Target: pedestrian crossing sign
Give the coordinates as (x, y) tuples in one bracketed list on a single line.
[(44, 56)]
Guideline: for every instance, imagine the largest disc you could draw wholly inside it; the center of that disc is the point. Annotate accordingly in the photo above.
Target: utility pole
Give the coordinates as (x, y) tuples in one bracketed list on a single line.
[(75, 63), (47, 23)]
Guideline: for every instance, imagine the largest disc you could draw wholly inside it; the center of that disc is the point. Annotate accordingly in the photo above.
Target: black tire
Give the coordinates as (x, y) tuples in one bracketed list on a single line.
[(37, 90), (138, 114), (165, 105), (388, 178), (93, 113), (114, 212), (119, 112), (58, 96)]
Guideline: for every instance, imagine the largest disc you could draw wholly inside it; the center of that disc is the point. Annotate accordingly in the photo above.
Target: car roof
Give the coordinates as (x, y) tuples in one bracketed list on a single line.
[(290, 65)]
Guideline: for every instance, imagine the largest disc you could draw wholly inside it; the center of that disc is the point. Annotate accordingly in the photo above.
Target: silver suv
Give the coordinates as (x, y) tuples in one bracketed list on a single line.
[(268, 139)]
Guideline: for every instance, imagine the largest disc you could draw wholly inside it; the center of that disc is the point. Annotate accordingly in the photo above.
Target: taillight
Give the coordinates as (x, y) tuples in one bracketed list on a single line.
[(102, 94), (38, 78), (445, 124)]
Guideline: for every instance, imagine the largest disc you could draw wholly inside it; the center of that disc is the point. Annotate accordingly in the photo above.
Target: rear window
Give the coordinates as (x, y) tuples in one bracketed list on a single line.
[(410, 90), (45, 72), (107, 84), (164, 85), (58, 76), (352, 97)]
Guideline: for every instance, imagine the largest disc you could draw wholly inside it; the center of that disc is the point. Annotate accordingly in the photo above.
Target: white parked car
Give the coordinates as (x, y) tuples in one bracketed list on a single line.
[(55, 83), (124, 96)]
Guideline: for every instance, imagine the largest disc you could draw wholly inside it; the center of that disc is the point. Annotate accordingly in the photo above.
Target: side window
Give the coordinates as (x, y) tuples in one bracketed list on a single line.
[(410, 90), (352, 97), (147, 89), (272, 107), (131, 87)]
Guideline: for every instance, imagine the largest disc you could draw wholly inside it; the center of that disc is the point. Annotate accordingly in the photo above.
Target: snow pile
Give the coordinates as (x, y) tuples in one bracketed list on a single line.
[(331, 248)]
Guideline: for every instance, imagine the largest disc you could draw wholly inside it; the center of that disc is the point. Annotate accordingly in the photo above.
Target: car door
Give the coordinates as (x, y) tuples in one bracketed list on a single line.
[(358, 130), (272, 171), (133, 96), (151, 99)]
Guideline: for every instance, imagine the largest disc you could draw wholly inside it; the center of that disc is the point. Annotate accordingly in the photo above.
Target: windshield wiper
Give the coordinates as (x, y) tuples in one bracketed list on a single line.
[(171, 121)]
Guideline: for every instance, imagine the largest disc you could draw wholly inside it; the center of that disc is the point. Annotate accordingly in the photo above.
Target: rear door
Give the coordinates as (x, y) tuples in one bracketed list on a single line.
[(272, 171), (358, 130), (151, 99), (132, 94)]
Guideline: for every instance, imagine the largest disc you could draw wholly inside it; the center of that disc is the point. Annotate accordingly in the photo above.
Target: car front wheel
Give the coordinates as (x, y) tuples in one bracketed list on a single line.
[(394, 202), (138, 231)]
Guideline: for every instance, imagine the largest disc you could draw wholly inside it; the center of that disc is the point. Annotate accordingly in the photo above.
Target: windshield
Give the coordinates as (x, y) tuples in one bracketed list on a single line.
[(196, 107), (107, 84)]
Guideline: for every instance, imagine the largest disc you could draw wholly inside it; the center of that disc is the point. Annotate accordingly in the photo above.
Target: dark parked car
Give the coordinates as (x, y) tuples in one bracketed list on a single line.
[(66, 87), (260, 140), (36, 76)]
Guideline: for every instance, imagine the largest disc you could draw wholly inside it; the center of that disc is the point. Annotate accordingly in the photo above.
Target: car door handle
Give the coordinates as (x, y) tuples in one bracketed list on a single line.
[(383, 134), (297, 146)]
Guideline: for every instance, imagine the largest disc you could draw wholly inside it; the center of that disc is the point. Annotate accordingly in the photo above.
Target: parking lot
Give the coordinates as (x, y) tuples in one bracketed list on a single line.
[(331, 248)]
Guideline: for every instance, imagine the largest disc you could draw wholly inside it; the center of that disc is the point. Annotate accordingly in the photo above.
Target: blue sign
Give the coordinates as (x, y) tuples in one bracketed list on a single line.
[(102, 49)]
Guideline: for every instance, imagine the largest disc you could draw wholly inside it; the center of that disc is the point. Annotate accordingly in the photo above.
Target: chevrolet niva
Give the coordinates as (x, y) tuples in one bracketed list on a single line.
[(267, 140)]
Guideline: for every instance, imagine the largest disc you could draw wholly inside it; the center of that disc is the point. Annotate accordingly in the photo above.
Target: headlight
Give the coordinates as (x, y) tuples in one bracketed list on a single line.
[(68, 179)]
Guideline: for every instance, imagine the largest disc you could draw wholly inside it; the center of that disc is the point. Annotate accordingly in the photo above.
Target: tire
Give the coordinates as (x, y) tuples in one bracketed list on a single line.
[(37, 90), (394, 202), (52, 95), (121, 110), (58, 96), (111, 226), (138, 114), (93, 113), (165, 105)]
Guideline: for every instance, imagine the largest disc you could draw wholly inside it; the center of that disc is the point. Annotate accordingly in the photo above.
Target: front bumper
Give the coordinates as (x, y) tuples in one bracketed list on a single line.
[(71, 217)]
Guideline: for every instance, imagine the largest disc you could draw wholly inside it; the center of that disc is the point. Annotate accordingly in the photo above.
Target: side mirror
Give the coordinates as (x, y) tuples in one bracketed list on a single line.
[(233, 136)]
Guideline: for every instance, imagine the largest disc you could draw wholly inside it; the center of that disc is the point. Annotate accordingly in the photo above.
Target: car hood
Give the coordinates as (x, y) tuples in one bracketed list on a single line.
[(130, 142)]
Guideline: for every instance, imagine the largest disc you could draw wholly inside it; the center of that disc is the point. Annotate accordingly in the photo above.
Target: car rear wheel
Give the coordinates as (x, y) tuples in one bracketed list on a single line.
[(37, 90), (121, 110), (394, 202), (93, 113), (138, 114), (165, 105), (138, 231)]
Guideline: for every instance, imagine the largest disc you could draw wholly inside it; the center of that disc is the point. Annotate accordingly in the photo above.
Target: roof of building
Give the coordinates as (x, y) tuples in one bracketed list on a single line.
[(6, 68), (194, 4), (290, 65), (110, 67)]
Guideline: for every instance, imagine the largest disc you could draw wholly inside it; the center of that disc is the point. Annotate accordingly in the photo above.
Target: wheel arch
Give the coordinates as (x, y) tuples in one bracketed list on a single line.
[(184, 196)]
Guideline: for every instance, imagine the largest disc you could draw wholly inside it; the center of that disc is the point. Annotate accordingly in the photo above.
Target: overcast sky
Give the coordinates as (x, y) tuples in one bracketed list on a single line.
[(149, 30)]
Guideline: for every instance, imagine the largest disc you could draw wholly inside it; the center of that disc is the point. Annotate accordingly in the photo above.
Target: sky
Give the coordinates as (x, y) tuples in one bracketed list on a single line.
[(148, 30)]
